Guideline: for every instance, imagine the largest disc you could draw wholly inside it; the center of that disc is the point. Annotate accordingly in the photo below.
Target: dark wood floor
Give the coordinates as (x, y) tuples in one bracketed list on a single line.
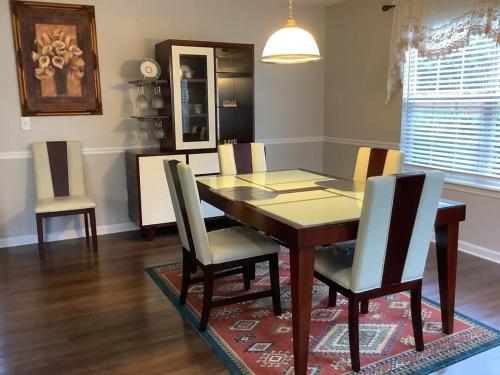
[(82, 313)]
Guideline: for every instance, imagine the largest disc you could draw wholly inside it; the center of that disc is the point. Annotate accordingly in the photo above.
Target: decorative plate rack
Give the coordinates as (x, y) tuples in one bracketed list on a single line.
[(146, 105)]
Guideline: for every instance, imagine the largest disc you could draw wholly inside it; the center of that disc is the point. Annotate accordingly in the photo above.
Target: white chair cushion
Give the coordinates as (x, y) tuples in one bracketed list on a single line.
[(239, 243), (76, 202), (335, 263)]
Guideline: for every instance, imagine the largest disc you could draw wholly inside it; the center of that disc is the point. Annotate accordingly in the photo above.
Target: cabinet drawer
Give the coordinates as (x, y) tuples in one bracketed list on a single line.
[(205, 163)]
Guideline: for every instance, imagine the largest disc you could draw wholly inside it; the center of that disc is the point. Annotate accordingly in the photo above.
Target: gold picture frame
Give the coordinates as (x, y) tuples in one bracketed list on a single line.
[(57, 63)]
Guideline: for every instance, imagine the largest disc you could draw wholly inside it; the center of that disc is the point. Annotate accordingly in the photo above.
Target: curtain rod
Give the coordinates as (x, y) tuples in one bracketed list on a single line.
[(387, 7)]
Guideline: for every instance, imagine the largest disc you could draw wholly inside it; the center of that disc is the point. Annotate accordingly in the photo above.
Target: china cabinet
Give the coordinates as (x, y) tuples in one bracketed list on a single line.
[(208, 94), (211, 98)]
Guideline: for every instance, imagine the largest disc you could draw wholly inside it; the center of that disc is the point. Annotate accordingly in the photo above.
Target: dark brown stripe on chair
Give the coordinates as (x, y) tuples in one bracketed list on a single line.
[(172, 164), (376, 162), (243, 157), (58, 160), (407, 194)]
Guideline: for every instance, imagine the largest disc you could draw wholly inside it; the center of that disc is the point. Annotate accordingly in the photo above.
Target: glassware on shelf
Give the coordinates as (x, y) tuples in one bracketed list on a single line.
[(141, 101), (197, 109), (159, 132), (143, 130), (157, 101)]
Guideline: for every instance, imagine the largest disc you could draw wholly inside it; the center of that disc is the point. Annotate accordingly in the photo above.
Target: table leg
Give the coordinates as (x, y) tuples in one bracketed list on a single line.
[(301, 272), (446, 248)]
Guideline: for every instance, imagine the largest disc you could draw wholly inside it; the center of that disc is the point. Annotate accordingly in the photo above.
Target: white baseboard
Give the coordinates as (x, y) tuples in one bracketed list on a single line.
[(476, 250), (65, 235), (479, 251)]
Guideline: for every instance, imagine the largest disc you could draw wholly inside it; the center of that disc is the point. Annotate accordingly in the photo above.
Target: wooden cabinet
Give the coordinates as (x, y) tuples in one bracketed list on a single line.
[(211, 97), (149, 201)]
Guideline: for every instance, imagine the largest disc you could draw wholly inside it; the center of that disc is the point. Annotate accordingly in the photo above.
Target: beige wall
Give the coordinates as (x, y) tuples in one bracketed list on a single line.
[(289, 99), (358, 36)]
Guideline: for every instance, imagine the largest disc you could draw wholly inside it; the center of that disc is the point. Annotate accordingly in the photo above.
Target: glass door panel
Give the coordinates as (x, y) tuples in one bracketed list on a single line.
[(235, 94), (194, 101)]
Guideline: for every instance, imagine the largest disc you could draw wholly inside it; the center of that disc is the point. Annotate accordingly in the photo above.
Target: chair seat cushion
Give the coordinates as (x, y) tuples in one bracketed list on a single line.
[(72, 202), (239, 243), (335, 263)]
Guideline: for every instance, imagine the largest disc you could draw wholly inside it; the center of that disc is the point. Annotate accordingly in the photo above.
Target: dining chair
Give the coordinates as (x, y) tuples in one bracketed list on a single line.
[(60, 186), (218, 253), (242, 158), (395, 229), (373, 162)]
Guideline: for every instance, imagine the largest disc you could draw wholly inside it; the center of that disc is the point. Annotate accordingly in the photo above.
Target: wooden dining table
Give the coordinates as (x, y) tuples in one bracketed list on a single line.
[(302, 210)]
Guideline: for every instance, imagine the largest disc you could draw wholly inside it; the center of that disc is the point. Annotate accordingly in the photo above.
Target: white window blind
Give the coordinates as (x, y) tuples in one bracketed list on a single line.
[(451, 110)]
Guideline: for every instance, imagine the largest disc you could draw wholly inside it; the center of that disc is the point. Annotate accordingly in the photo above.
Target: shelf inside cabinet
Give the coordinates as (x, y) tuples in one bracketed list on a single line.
[(234, 74), (237, 107), (194, 80), (150, 117), (195, 115), (146, 82)]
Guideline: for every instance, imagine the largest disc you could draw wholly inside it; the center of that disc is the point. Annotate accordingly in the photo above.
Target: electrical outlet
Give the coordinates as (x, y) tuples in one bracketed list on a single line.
[(25, 123)]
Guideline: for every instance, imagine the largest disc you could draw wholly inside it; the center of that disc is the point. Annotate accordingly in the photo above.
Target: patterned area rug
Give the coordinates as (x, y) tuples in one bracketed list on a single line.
[(249, 339)]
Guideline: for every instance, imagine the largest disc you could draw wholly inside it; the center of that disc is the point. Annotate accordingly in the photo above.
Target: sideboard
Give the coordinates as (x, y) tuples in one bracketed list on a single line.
[(149, 203)]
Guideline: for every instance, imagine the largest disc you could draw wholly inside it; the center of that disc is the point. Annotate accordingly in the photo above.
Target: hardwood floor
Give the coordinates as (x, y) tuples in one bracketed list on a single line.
[(80, 312)]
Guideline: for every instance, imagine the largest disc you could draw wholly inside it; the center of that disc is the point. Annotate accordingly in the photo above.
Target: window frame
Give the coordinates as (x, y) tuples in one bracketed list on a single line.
[(462, 178)]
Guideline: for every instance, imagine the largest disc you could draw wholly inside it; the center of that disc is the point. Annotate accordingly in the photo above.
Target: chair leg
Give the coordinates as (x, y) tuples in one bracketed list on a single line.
[(94, 229), (39, 229), (332, 296), (364, 306), (193, 268), (252, 271), (86, 220), (354, 332), (186, 267), (274, 276), (208, 288), (416, 316), (247, 274)]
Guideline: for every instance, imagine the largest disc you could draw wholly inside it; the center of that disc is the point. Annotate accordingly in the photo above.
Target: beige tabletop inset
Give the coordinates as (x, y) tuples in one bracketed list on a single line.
[(224, 182), (310, 184), (280, 177), (292, 197), (311, 213)]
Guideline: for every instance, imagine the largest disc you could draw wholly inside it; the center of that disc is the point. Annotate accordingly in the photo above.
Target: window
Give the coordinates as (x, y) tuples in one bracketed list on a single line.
[(451, 110)]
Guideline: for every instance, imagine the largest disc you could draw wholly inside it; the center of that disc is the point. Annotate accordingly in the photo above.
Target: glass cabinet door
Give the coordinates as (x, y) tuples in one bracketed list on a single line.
[(194, 97)]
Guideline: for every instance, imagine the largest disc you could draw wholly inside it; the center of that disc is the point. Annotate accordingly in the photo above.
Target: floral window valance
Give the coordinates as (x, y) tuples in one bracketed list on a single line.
[(436, 28)]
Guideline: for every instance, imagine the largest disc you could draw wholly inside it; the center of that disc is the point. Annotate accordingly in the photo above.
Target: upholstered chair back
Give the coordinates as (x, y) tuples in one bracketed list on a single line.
[(174, 187), (190, 201), (58, 169), (373, 162), (395, 229), (242, 158)]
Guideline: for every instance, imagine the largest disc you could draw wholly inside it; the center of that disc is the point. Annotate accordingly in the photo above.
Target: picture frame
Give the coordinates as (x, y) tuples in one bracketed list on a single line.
[(57, 61)]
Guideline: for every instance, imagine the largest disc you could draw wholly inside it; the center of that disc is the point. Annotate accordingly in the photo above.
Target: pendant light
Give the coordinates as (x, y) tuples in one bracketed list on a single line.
[(290, 44)]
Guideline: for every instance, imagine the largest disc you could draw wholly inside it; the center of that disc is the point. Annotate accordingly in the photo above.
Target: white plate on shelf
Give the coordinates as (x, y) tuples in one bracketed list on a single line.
[(149, 69)]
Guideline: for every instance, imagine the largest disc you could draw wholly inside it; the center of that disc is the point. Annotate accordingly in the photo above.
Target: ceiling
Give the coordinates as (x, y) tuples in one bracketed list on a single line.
[(310, 2)]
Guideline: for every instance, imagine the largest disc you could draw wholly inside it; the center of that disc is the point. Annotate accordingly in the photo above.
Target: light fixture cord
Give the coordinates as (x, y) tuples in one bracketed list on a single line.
[(290, 9)]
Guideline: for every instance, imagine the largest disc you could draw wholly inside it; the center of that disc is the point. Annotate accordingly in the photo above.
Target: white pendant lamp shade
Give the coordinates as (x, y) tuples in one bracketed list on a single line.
[(290, 45)]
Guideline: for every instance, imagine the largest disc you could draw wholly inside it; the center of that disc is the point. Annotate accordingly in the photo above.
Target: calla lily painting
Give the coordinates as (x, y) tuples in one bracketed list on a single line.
[(59, 62), (57, 58)]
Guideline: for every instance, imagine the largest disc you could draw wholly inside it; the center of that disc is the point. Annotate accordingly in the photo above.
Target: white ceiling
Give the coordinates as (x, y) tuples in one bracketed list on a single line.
[(310, 2), (318, 2)]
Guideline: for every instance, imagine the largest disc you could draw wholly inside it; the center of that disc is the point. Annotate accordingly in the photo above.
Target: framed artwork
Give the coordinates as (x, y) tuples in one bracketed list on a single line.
[(57, 65)]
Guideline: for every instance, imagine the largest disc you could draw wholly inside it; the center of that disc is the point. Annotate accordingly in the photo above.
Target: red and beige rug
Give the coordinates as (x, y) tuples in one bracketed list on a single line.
[(249, 339)]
